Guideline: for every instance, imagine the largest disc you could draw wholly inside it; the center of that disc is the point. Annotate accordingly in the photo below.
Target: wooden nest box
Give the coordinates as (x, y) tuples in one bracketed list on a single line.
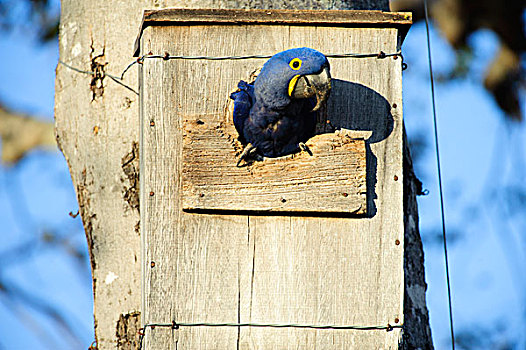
[(302, 239)]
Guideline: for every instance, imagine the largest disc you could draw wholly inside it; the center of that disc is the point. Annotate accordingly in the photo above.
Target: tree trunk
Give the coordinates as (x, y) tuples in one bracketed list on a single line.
[(97, 129)]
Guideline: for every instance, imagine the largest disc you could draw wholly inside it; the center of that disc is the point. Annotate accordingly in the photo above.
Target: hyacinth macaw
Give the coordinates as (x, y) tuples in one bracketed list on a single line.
[(276, 114)]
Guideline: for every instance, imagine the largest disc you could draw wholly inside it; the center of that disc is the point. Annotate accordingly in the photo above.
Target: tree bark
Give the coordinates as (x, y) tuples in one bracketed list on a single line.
[(97, 128), (417, 332)]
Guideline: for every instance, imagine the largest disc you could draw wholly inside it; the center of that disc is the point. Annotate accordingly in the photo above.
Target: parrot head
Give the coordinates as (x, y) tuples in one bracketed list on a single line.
[(293, 74)]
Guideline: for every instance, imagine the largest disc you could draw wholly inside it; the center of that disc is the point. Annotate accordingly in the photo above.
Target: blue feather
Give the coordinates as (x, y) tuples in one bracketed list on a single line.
[(243, 100), (264, 113)]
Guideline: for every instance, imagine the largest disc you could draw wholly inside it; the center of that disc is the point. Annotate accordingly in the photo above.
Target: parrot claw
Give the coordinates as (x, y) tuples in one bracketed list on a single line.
[(305, 148), (247, 152)]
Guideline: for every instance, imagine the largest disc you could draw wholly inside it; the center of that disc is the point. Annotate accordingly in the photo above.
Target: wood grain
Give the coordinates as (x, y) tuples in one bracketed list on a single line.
[(332, 180), (342, 18), (268, 17), (269, 269)]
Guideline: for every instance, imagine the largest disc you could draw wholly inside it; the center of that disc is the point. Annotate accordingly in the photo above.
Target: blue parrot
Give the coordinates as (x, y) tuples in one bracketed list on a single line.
[(276, 114)]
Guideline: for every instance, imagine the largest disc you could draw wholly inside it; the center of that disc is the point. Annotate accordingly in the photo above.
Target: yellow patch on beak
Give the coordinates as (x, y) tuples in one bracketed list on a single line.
[(292, 84)]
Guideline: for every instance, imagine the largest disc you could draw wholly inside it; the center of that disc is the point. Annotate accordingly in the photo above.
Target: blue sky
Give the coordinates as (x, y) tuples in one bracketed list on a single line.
[(481, 156), (35, 198)]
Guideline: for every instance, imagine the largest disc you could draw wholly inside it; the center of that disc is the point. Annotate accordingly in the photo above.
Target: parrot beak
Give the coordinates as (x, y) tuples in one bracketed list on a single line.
[(306, 86)]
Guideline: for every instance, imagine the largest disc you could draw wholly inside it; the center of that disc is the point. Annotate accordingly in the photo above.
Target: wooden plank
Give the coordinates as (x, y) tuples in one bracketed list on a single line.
[(268, 17), (344, 18), (319, 271), (332, 180), (270, 269), (189, 276), (332, 270)]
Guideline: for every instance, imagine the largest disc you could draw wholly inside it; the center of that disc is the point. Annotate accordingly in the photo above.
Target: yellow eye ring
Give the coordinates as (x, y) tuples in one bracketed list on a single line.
[(295, 64)]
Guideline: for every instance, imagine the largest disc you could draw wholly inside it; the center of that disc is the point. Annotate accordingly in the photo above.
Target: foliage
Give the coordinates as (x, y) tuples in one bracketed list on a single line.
[(36, 16), (459, 19)]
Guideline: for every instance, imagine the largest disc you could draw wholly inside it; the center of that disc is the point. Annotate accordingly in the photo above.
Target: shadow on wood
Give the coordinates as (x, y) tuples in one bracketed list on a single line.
[(332, 179), (339, 176), (277, 268), (367, 114)]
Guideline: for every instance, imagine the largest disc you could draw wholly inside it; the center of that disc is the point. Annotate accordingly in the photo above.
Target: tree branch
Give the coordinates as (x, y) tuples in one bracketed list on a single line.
[(21, 134)]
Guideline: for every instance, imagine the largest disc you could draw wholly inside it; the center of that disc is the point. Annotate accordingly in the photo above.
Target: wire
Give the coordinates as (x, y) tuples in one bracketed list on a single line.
[(439, 176), (116, 79), (167, 56), (175, 325)]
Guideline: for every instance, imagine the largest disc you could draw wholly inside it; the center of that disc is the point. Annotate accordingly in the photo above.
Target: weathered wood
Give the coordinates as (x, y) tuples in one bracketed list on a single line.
[(269, 269), (331, 180), (97, 131), (341, 18), (95, 159), (268, 17)]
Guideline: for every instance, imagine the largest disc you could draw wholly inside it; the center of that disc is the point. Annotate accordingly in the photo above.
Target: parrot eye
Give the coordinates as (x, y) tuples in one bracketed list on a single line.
[(295, 64)]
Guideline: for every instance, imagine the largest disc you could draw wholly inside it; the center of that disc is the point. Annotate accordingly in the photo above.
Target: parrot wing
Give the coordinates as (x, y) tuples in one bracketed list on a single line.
[(243, 101)]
